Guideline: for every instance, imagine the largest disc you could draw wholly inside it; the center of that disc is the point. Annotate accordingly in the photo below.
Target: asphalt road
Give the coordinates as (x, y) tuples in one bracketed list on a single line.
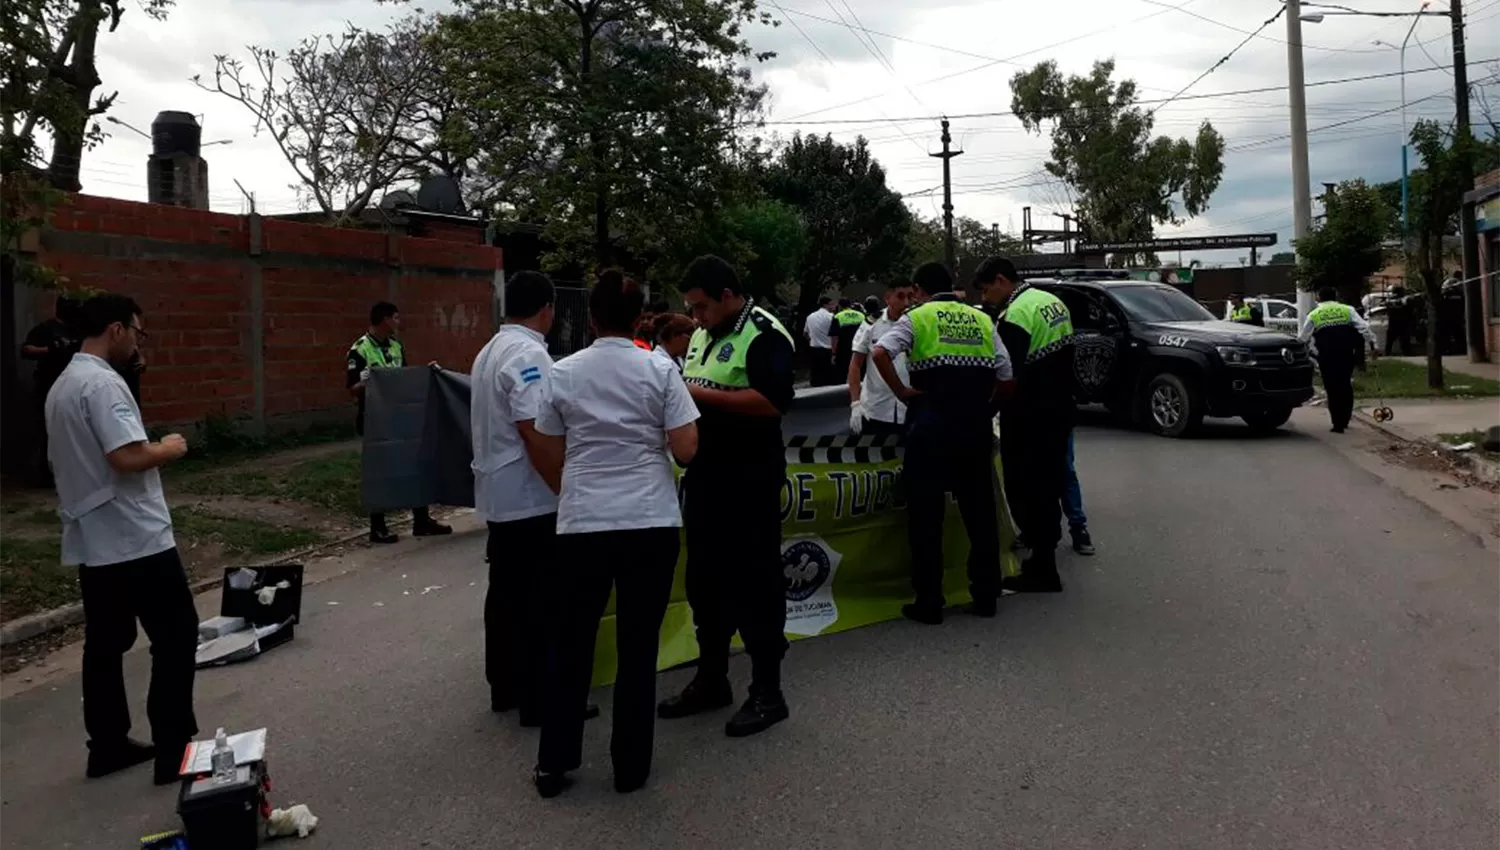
[(1272, 649)]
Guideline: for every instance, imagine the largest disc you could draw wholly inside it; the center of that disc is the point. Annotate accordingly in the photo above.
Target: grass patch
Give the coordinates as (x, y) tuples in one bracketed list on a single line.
[(331, 482), (1476, 437), (35, 579), (1395, 379), (219, 441), (241, 536)]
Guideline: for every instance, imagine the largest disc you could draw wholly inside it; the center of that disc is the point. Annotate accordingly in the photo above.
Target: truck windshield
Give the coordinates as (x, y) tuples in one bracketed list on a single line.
[(1157, 303)]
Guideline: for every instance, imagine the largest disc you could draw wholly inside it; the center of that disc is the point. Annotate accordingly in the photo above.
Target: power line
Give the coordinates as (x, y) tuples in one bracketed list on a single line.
[(1233, 28), (1226, 57), (1005, 113), (1010, 60)]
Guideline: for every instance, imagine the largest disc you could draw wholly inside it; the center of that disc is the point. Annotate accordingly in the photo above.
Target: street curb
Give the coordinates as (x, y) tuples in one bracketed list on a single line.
[(57, 619), (1483, 468)]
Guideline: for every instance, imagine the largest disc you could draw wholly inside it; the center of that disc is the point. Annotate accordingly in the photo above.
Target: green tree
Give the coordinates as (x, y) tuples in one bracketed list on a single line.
[(1435, 196), (1283, 258), (774, 239), (632, 106), (47, 80), (1347, 246), (1125, 180), (856, 225), (973, 242)]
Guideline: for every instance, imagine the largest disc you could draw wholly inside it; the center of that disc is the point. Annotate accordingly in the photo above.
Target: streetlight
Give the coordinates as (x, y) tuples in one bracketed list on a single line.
[(1297, 101), (113, 120), (1404, 130)]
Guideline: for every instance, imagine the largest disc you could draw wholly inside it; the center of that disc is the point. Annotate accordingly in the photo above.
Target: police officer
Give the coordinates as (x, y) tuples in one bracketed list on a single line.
[(52, 345), (1036, 423), (379, 349), (1337, 332), (1245, 312), (739, 372), (958, 368), (846, 323)]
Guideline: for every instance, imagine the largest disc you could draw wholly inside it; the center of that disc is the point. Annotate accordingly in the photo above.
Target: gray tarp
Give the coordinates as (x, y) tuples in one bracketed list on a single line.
[(417, 447)]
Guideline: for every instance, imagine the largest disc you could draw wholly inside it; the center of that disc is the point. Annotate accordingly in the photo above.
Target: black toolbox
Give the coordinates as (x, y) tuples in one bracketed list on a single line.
[(225, 816)]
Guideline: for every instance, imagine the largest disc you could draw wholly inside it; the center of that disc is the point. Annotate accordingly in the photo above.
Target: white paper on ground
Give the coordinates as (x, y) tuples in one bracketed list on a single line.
[(248, 747)]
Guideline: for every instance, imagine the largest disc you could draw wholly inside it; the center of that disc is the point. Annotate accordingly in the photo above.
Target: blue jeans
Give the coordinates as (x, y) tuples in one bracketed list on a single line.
[(1072, 500)]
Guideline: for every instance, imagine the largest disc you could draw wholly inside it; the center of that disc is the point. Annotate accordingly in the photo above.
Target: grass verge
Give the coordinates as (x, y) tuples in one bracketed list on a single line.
[(32, 577), (331, 482), (1395, 379), (241, 536)]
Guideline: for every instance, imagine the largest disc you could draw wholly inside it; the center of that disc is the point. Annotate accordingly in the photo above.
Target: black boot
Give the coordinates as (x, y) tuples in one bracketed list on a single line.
[(699, 696), (1083, 544), (1038, 575), (984, 605), (426, 526), (105, 759), (759, 713), (925, 613), (378, 532), (549, 785)]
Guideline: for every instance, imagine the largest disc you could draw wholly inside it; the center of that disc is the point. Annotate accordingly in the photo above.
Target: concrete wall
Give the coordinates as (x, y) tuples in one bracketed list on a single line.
[(250, 317)]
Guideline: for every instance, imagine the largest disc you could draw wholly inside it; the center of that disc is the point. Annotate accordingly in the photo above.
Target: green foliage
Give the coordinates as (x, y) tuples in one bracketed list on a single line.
[(33, 577), (47, 77), (775, 240), (1283, 258), (973, 242), (241, 536), (1346, 247), (1126, 182), (856, 225), (627, 112), (329, 482)]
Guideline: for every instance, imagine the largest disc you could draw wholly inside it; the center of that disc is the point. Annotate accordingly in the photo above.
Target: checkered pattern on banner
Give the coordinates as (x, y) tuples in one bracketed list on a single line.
[(844, 449)]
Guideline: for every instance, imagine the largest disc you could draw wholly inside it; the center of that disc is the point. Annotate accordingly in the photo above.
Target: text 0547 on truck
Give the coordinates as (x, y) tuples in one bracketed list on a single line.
[(1156, 357)]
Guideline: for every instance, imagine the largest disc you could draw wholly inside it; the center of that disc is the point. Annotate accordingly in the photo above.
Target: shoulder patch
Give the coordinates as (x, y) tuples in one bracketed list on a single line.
[(531, 374)]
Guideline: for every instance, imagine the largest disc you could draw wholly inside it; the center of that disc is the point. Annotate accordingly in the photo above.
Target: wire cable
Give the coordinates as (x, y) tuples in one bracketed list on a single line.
[(1225, 58)]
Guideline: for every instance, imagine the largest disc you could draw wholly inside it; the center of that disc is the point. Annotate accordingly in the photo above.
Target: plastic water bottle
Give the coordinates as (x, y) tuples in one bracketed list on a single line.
[(223, 758)]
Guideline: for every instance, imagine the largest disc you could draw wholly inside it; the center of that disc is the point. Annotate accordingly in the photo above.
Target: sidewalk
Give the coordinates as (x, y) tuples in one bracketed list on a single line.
[(1460, 363), (1427, 418)]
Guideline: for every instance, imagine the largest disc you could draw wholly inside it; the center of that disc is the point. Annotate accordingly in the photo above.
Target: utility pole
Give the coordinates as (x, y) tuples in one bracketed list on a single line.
[(946, 156), (1474, 312), (1297, 98)]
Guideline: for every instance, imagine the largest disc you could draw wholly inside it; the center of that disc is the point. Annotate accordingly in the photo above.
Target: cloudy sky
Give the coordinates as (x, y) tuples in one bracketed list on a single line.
[(885, 69)]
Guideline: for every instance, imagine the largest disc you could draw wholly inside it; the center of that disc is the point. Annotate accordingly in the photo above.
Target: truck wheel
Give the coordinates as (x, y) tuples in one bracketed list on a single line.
[(1172, 408), (1266, 421)]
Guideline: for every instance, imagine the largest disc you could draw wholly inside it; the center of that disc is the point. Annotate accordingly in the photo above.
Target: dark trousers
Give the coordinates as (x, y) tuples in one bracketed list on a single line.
[(877, 428), (522, 555), (638, 564), (821, 366), (1034, 452), (155, 591), (735, 581), (419, 516), (1338, 381), (937, 464)]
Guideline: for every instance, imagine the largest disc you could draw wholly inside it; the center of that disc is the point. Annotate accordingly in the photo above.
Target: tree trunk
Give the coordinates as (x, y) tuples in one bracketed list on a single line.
[(1433, 286), (81, 77)]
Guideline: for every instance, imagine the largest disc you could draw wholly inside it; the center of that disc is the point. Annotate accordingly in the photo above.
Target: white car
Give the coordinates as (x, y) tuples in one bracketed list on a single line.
[(1279, 315)]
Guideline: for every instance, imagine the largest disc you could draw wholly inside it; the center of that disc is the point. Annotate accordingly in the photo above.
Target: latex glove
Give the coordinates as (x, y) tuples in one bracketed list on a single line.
[(364, 377), (856, 419)]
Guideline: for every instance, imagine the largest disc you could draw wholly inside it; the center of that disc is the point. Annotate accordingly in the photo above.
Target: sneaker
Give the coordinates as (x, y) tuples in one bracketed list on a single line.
[(927, 615), (431, 528), (1083, 544), (112, 758), (549, 785), (759, 713), (383, 535), (699, 696)]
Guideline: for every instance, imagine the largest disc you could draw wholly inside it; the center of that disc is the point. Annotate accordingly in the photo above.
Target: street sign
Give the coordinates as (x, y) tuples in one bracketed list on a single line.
[(1187, 243)]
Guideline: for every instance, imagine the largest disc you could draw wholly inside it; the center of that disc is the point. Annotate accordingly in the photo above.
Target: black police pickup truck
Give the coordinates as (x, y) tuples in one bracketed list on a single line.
[(1157, 358)]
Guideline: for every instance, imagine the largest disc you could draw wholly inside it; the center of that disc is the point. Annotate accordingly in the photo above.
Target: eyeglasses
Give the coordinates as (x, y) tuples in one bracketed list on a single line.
[(140, 333)]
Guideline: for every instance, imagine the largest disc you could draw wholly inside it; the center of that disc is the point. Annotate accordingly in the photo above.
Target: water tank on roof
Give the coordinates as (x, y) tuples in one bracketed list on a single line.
[(175, 133)]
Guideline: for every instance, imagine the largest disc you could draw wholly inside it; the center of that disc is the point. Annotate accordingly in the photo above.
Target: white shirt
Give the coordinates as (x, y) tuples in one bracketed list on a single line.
[(614, 404), (507, 381), (667, 356), (876, 401), (108, 517), (817, 326), (898, 340)]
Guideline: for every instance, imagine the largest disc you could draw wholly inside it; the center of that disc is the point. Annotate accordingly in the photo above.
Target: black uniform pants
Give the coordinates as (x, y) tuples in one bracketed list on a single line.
[(937, 464), (821, 366), (154, 590), (1338, 381), (879, 428), (735, 581), (522, 555), (639, 565), (1034, 452)]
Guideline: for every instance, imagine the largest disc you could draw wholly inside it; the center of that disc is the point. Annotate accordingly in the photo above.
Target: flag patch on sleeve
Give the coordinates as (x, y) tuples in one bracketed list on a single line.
[(531, 374)]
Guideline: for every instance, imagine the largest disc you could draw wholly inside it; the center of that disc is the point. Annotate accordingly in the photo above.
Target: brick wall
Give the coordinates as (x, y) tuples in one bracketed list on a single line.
[(251, 317)]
